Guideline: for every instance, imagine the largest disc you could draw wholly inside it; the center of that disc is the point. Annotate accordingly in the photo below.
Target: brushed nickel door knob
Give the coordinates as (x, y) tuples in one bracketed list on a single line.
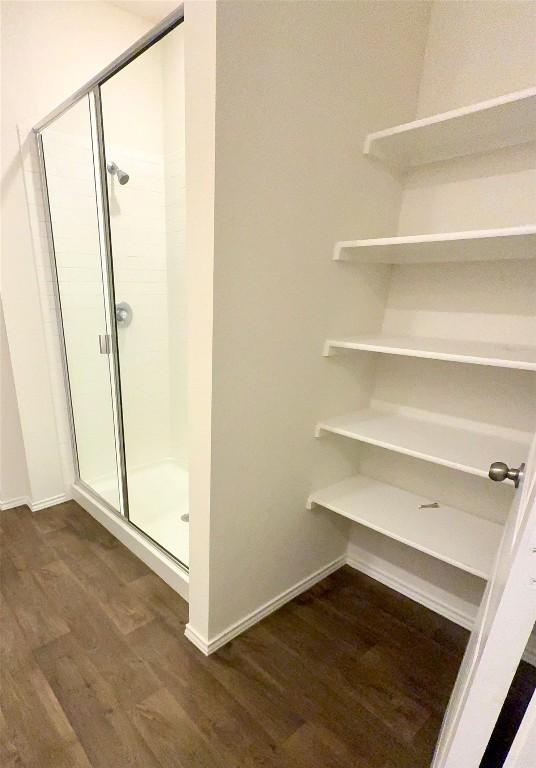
[(500, 471)]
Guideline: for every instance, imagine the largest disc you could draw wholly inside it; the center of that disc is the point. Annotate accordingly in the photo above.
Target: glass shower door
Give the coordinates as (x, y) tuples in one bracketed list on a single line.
[(143, 133), (68, 157)]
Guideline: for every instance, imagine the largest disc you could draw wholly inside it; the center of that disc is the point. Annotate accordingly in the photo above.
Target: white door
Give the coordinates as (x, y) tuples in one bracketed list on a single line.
[(505, 620)]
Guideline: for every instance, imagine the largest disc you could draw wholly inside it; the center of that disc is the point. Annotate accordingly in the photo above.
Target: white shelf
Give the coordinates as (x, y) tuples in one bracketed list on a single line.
[(473, 352), (459, 447), (463, 540), (474, 245), (488, 125)]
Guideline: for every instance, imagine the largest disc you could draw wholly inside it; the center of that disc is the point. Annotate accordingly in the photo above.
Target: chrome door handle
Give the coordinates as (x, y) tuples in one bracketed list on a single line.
[(104, 343), (500, 471), (123, 314)]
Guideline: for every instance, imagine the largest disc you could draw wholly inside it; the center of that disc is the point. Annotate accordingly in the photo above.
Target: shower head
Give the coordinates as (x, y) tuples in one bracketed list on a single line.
[(113, 170)]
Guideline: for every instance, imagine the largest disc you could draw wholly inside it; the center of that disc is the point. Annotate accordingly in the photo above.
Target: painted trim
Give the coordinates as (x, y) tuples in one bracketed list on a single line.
[(35, 506), (20, 501), (462, 618), (209, 646), (164, 566), (198, 640)]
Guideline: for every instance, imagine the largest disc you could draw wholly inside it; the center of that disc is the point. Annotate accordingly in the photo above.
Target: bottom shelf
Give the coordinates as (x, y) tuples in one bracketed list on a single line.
[(463, 540)]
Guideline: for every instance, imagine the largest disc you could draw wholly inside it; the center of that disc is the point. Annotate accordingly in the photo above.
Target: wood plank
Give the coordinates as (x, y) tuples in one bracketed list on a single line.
[(92, 705), (238, 733), (314, 744), (115, 660), (35, 731), (254, 691), (162, 601), (39, 621), (46, 739), (119, 603), (22, 540), (316, 699), (53, 518), (350, 673), (172, 735), (120, 559)]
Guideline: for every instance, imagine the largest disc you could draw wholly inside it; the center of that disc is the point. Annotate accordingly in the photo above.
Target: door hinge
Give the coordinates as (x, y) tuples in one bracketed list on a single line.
[(105, 345)]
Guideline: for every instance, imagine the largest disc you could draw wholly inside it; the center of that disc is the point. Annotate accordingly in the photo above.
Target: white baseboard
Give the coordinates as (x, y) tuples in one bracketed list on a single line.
[(20, 501), (35, 506), (163, 565), (463, 618), (197, 639), (209, 646)]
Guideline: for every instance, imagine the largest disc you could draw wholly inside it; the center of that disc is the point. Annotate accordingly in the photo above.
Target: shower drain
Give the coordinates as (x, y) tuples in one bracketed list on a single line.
[(186, 517)]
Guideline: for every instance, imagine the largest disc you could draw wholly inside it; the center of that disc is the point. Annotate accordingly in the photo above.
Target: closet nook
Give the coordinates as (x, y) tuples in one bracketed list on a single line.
[(457, 308)]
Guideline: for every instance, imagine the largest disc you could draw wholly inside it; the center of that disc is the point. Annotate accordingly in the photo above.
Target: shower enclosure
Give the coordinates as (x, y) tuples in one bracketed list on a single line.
[(112, 165)]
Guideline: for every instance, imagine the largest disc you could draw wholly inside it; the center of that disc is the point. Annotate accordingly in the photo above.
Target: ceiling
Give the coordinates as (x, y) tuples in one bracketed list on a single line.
[(154, 10)]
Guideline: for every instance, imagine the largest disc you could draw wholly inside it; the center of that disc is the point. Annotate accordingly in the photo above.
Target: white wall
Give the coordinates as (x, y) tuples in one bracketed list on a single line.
[(482, 191), (475, 51), (293, 103), (200, 105), (48, 50), (14, 486)]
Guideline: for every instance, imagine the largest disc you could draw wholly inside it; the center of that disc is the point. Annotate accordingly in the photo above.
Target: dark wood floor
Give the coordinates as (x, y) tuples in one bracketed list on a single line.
[(96, 670)]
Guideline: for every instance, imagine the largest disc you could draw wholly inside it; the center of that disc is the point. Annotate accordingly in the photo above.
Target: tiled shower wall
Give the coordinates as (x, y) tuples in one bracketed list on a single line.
[(138, 224)]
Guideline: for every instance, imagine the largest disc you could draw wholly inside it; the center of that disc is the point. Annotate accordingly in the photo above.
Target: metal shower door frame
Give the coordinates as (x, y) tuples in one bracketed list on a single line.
[(171, 21), (105, 237), (105, 255), (92, 91)]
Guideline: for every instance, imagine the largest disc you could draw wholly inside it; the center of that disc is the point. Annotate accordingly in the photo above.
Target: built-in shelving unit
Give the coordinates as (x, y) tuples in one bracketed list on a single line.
[(465, 541), (482, 127), (475, 245), (464, 448), (459, 351)]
